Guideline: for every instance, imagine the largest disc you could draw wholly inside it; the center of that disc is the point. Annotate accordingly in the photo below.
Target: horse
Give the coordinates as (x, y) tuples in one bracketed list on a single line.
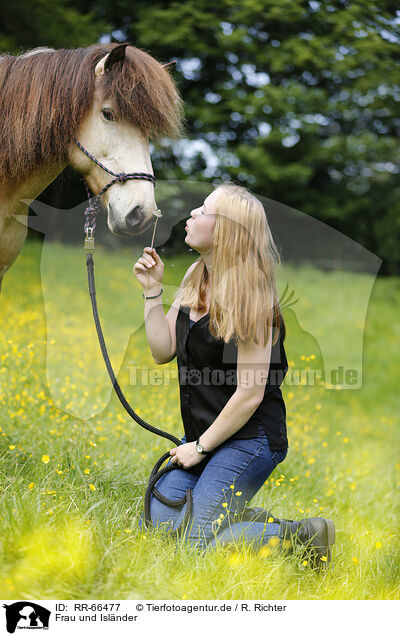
[(113, 99)]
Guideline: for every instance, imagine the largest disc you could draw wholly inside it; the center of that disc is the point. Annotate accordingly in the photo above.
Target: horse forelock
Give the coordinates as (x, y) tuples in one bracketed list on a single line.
[(43, 98), (143, 93)]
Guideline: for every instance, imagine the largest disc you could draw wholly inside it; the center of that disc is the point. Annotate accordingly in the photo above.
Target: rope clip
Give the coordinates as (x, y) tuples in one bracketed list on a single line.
[(89, 239)]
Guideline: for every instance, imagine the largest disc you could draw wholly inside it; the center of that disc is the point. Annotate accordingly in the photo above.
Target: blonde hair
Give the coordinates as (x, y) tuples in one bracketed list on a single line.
[(244, 260)]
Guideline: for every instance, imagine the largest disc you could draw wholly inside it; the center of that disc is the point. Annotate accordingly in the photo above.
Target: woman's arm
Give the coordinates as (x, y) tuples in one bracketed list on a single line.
[(149, 270), (160, 328), (252, 372)]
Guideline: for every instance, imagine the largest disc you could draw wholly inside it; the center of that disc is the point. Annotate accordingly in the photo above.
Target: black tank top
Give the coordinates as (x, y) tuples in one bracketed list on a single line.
[(207, 379)]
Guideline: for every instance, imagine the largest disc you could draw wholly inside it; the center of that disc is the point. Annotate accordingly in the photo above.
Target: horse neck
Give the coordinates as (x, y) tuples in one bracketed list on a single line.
[(12, 193)]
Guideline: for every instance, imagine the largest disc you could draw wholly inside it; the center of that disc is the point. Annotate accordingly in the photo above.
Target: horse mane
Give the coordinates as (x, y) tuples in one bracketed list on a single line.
[(45, 94)]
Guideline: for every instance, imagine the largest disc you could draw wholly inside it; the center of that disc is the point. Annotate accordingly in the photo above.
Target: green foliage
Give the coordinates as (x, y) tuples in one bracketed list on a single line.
[(298, 100), (57, 23)]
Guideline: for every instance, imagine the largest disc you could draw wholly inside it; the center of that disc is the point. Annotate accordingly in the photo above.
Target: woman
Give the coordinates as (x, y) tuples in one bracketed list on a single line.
[(226, 329)]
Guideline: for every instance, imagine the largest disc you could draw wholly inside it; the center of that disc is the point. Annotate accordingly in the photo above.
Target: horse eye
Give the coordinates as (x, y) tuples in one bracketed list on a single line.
[(108, 114)]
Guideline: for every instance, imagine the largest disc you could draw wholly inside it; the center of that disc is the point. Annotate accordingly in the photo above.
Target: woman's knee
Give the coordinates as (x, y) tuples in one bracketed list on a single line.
[(161, 513), (200, 534), (157, 519)]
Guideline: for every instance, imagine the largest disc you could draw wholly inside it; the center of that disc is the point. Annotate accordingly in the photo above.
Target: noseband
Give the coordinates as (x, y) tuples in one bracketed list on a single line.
[(92, 209)]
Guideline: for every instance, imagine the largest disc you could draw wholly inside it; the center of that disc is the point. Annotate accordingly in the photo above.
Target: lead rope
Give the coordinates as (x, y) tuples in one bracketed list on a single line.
[(156, 473)]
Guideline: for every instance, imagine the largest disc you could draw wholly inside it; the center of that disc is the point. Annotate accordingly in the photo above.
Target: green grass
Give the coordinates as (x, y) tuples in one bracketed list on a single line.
[(69, 526)]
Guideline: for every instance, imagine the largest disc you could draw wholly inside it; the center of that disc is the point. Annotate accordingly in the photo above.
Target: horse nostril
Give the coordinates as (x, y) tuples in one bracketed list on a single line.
[(135, 216)]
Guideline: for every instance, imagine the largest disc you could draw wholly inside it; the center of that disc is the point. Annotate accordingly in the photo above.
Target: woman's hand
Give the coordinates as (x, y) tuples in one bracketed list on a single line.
[(149, 262), (186, 455)]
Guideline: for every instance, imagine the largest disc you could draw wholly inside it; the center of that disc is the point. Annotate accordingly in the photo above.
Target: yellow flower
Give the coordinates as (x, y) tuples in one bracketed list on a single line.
[(324, 558), (264, 551), (59, 472), (270, 520), (31, 485), (238, 493), (355, 560), (87, 471), (127, 530), (378, 544), (92, 487), (45, 459), (234, 559), (273, 542), (224, 505), (11, 447), (231, 486), (305, 563)]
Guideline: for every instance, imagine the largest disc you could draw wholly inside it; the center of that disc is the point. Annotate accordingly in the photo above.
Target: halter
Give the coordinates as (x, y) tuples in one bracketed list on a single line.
[(92, 209)]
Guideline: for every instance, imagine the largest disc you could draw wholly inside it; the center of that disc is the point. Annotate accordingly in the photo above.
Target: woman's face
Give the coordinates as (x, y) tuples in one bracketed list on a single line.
[(200, 227)]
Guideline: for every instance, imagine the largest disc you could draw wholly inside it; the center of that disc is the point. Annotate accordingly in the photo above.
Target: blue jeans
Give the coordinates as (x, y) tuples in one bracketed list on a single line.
[(222, 486)]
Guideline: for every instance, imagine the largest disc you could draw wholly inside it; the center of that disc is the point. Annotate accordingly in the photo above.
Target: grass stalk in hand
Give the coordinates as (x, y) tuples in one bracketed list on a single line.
[(157, 214)]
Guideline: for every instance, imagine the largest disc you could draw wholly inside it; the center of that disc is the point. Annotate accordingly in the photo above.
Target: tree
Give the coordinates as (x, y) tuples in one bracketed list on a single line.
[(25, 24), (299, 100), (296, 99)]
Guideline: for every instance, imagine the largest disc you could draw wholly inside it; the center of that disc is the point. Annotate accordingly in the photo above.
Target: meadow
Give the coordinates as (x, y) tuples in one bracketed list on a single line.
[(74, 466)]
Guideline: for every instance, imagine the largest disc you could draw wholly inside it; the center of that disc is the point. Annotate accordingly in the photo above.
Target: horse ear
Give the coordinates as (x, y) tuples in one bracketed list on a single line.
[(116, 55), (170, 64)]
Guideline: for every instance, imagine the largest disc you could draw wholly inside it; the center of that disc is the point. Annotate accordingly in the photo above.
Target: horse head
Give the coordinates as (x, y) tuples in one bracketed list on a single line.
[(119, 139), (113, 98)]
